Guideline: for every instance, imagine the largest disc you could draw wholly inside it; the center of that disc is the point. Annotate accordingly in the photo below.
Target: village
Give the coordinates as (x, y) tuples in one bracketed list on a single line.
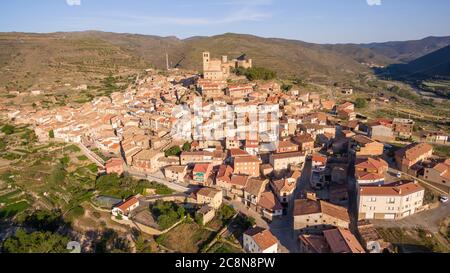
[(304, 172)]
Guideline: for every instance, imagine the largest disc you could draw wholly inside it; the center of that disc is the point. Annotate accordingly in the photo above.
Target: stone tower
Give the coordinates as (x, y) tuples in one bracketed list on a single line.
[(206, 60)]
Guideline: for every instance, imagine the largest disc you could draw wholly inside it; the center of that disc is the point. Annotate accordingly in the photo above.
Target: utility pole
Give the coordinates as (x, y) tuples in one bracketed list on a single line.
[(167, 61)]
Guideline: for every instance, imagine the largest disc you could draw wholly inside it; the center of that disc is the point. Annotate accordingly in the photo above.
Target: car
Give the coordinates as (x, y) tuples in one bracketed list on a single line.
[(443, 199), (398, 175)]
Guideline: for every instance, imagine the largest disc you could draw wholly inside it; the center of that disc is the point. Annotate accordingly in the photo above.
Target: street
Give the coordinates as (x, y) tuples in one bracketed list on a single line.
[(159, 178), (428, 220), (281, 227)]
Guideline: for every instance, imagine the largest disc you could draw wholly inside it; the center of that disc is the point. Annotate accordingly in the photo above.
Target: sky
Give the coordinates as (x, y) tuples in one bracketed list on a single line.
[(317, 21)]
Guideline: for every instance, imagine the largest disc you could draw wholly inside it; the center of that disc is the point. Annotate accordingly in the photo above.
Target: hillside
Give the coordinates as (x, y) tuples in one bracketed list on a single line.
[(30, 60), (406, 51), (42, 60), (433, 65)]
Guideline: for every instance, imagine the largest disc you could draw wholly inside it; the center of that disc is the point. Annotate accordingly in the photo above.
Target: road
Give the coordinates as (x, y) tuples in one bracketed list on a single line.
[(92, 156), (282, 226), (428, 220), (159, 178)]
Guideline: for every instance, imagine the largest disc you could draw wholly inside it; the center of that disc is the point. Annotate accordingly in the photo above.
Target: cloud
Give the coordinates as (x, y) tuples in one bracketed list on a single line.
[(374, 2), (73, 2)]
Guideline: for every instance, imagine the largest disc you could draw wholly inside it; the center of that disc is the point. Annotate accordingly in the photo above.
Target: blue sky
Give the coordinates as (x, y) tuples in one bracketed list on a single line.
[(320, 21)]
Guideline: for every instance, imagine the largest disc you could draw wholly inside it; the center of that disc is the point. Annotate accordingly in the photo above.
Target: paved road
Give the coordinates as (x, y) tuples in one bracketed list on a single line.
[(428, 220), (159, 178)]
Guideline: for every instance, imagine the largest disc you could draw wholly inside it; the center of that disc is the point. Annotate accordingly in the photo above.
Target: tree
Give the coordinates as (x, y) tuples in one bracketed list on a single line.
[(44, 220), (173, 151), (360, 103), (226, 213), (260, 73), (186, 147), (35, 242), (51, 134)]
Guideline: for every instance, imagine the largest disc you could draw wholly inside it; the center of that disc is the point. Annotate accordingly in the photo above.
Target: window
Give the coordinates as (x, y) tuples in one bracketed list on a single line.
[(372, 199), (391, 200)]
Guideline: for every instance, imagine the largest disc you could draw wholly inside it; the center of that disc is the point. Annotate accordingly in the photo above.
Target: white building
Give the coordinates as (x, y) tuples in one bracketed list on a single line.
[(391, 201), (260, 240)]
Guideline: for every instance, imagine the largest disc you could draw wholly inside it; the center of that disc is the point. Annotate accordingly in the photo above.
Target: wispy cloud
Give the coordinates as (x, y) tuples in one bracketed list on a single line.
[(374, 2), (73, 2), (241, 11)]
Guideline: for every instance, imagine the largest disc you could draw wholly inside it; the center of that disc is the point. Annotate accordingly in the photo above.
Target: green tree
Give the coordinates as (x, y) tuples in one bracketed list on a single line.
[(186, 147), (360, 103), (35, 242), (226, 213), (44, 220), (173, 151), (51, 134)]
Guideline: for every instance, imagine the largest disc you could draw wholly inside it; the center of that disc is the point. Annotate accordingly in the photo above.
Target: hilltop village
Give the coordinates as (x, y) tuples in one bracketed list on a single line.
[(310, 172)]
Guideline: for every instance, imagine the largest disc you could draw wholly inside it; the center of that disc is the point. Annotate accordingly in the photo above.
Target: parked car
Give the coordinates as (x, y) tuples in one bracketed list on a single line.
[(398, 175), (443, 199)]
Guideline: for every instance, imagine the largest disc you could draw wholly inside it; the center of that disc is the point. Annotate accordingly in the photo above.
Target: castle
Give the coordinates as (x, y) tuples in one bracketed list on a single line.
[(220, 69)]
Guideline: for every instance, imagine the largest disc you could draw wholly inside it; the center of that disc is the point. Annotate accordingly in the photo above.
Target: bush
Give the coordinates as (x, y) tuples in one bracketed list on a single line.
[(8, 129), (360, 103)]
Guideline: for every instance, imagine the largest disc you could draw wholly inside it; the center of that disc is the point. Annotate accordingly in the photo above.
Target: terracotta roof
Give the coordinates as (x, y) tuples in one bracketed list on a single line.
[(319, 158), (287, 155), (398, 189), (342, 241), (209, 192), (316, 242), (305, 207), (255, 186), (201, 168), (124, 206), (247, 159), (413, 151), (269, 201), (371, 163), (114, 162), (286, 144), (239, 180), (262, 237), (238, 152), (177, 169), (363, 139), (443, 169), (283, 185), (306, 138)]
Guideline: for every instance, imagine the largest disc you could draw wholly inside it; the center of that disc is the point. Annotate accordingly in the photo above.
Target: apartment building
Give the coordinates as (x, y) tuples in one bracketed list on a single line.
[(282, 162), (391, 201), (247, 165)]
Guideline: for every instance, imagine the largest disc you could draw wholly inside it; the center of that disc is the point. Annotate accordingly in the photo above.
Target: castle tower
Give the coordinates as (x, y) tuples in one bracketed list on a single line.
[(206, 60)]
